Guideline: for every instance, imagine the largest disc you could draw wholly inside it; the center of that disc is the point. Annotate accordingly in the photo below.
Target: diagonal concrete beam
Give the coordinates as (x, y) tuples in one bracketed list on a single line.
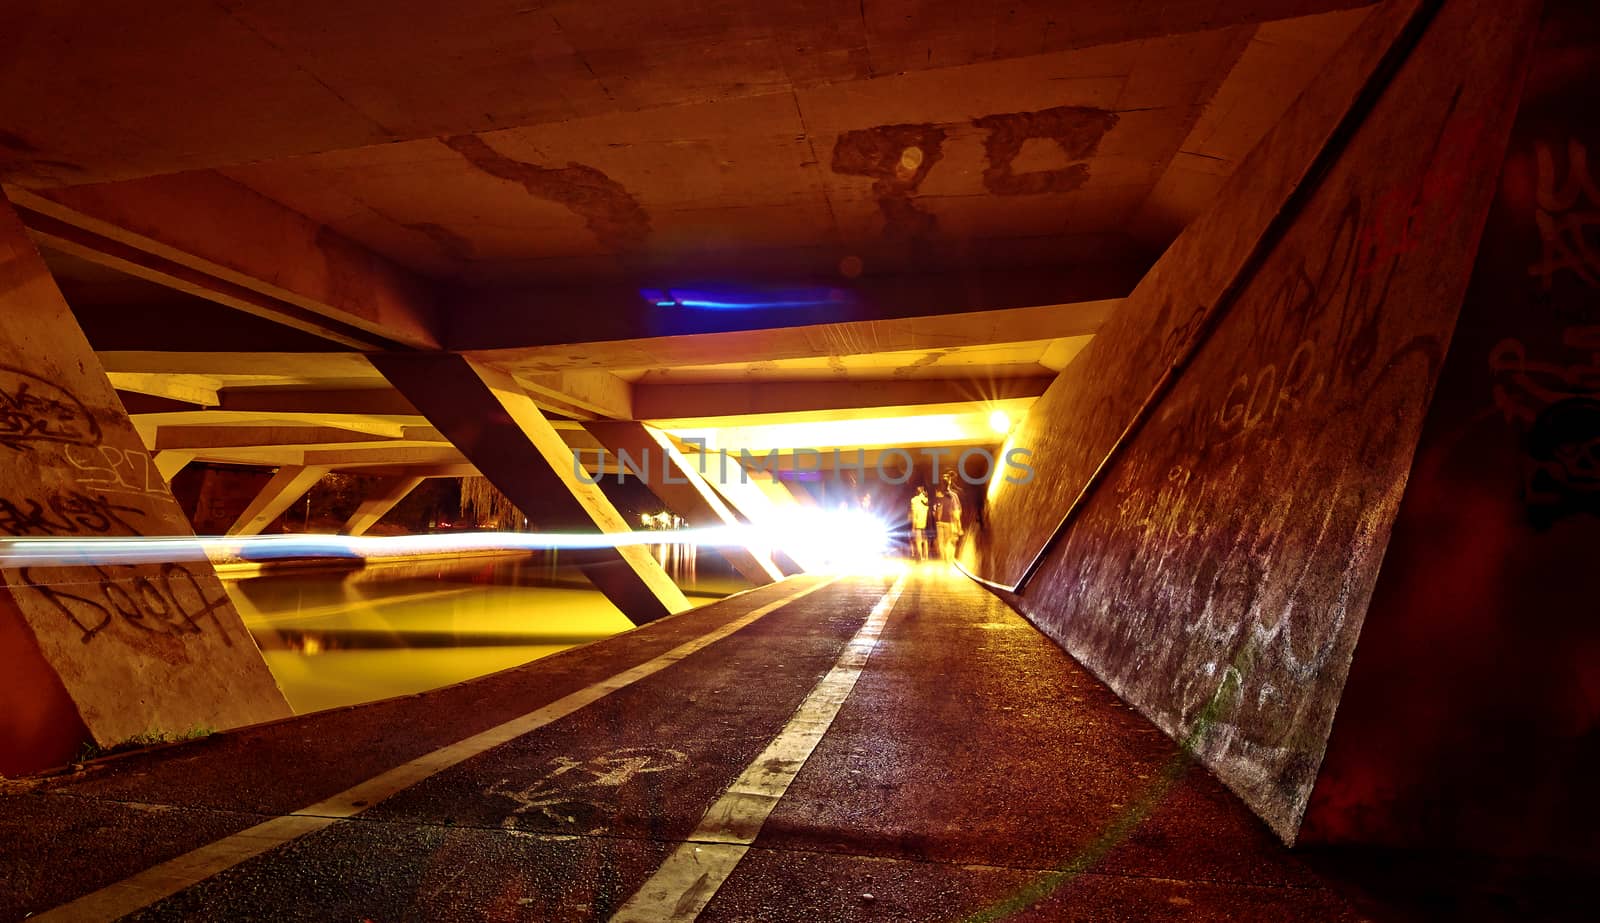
[(170, 463), (673, 478), (497, 426), (372, 509), (206, 235), (289, 484), (755, 502)]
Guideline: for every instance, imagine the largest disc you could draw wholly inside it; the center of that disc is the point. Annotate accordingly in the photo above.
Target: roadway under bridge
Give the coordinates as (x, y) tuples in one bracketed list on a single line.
[(462, 460)]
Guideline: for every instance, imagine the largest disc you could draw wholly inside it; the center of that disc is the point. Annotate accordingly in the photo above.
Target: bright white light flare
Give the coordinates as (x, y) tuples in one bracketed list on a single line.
[(842, 539)]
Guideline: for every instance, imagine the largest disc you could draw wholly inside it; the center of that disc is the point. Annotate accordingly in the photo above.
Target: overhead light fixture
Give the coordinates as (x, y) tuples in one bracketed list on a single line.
[(732, 298)]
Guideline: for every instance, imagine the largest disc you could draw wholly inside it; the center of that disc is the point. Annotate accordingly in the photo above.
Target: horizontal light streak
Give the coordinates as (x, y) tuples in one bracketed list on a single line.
[(829, 531)]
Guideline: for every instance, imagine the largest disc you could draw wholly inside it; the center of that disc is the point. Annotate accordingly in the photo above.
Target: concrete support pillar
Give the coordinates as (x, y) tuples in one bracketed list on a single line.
[(170, 462), (100, 652), (496, 425), (673, 479), (288, 485), (376, 506)]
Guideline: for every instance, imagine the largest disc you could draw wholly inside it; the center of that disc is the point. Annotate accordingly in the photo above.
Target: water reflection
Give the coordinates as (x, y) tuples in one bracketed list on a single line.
[(339, 636)]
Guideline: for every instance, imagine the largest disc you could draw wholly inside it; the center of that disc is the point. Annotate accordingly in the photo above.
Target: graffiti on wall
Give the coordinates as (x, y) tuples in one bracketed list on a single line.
[(1547, 389), (165, 599), (66, 511), (111, 470), (106, 492), (34, 412), (1568, 210)]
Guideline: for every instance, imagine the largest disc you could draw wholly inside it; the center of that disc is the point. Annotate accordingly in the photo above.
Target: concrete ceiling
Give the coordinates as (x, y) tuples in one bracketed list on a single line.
[(929, 205), (487, 141)]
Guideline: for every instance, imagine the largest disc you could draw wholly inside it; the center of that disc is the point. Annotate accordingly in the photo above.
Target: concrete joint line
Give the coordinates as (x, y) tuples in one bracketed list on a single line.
[(689, 878), (185, 871)]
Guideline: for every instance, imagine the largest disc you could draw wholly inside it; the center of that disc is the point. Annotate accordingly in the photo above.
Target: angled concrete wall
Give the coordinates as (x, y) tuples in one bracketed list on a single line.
[(102, 652), (1217, 572), (1471, 717)]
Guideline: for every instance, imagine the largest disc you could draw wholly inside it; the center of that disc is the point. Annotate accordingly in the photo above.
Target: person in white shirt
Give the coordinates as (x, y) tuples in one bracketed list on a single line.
[(919, 525)]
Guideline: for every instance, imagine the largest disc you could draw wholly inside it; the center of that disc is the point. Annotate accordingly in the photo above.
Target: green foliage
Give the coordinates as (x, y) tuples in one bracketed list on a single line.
[(91, 750)]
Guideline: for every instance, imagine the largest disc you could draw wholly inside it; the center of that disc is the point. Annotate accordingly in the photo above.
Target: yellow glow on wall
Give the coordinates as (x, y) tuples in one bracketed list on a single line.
[(927, 429)]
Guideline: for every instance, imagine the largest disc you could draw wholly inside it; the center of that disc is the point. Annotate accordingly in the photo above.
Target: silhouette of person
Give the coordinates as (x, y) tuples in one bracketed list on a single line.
[(949, 519), (919, 524)]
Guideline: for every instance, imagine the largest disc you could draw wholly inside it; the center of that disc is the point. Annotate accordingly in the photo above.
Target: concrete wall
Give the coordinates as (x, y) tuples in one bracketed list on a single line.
[(102, 652), (1471, 717), (1218, 576)]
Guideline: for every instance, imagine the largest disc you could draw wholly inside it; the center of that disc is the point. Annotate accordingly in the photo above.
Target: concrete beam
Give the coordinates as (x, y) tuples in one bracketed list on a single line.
[(372, 509), (206, 235), (264, 368), (963, 425), (498, 427), (586, 393), (385, 455), (199, 390), (104, 652), (1052, 321), (170, 463), (674, 480), (377, 401), (135, 403), (333, 383), (419, 471), (523, 317), (374, 428), (289, 484), (796, 399), (200, 436)]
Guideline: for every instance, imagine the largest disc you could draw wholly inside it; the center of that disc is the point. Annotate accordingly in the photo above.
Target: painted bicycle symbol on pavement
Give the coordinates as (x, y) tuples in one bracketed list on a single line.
[(565, 796)]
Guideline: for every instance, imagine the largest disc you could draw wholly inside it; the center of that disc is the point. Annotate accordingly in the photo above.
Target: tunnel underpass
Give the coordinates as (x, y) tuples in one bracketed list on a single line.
[(631, 462)]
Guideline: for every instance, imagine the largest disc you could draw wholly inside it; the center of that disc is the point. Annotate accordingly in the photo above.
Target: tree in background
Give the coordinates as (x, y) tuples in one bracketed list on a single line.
[(483, 505)]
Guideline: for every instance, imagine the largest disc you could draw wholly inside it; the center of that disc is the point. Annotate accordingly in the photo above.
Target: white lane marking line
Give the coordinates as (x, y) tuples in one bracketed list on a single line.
[(690, 877), (170, 877)]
